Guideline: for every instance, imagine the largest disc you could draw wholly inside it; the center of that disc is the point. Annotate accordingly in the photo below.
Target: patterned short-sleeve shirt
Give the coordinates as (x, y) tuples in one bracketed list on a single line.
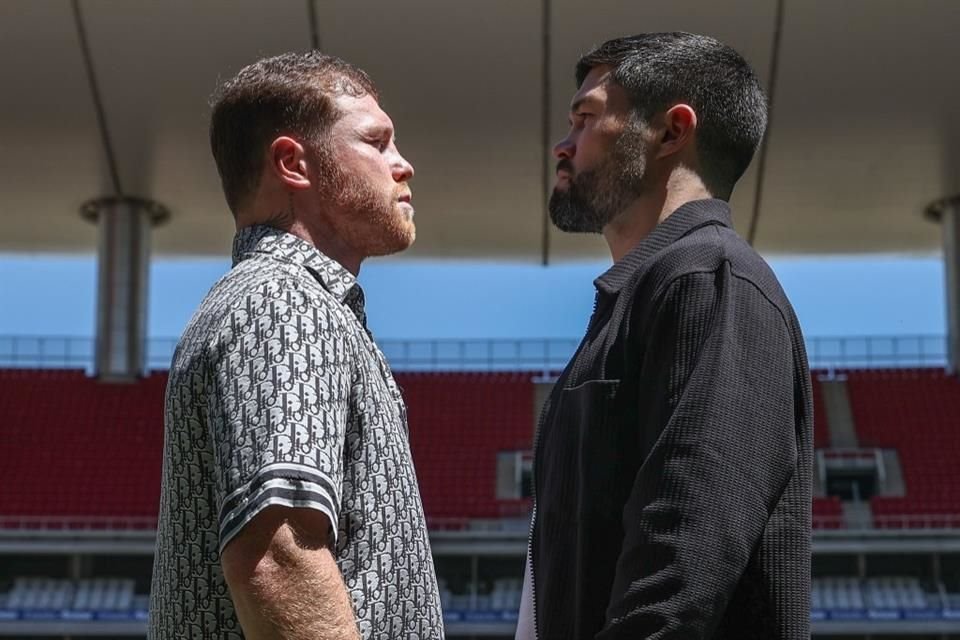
[(278, 396)]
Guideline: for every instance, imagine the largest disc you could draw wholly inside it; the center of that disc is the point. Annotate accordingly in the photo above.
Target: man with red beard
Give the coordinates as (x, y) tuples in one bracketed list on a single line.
[(672, 464), (282, 416)]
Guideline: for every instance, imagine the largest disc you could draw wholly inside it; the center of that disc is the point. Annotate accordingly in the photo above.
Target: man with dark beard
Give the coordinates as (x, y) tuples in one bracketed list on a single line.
[(672, 463), (289, 507)]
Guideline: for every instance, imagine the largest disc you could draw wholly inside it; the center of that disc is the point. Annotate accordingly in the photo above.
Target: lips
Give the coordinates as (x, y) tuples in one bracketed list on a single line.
[(404, 199)]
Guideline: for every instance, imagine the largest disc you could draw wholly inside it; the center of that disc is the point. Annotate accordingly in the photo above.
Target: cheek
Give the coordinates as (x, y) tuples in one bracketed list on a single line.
[(364, 161), (593, 147), (376, 173), (585, 158), (372, 161)]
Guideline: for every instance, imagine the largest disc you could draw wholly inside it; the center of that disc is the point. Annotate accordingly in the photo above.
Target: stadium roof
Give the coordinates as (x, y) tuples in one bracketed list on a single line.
[(864, 129)]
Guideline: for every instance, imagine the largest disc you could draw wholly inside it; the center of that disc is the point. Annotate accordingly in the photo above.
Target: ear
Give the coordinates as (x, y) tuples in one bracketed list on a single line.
[(679, 128), (288, 161)]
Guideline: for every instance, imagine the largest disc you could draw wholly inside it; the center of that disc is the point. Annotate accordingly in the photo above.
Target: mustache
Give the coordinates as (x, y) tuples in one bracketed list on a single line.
[(565, 165)]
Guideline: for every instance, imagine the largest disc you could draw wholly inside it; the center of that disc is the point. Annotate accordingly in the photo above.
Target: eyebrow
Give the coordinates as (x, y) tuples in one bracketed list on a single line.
[(380, 130), (579, 102)]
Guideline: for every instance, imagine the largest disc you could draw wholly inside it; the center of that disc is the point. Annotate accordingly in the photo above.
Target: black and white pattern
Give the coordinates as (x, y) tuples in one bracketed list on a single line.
[(278, 395)]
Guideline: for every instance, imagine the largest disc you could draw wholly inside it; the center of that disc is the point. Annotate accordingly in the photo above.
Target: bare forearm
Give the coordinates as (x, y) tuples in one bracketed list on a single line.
[(294, 598), (284, 580)]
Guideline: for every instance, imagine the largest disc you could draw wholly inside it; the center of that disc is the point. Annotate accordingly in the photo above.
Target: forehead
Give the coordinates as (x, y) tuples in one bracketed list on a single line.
[(362, 112), (601, 90)]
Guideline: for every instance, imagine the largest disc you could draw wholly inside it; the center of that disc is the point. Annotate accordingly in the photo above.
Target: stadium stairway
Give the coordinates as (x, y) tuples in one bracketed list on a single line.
[(914, 412), (836, 412)]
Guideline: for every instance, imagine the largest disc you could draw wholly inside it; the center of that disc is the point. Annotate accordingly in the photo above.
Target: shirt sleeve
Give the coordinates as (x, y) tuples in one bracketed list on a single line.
[(280, 374), (719, 364)]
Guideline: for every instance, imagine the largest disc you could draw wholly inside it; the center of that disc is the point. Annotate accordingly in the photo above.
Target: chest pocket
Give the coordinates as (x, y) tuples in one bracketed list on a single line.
[(601, 418)]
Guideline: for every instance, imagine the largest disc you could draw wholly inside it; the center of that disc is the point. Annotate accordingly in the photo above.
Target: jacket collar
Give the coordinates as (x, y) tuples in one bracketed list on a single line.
[(689, 216)]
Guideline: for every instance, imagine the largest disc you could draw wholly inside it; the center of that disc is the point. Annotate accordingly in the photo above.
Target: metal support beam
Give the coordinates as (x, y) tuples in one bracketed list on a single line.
[(123, 274), (545, 143), (771, 93), (945, 212)]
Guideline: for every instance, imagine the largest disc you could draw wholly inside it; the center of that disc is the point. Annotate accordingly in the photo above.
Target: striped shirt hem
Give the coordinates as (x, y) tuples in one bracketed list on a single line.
[(279, 484)]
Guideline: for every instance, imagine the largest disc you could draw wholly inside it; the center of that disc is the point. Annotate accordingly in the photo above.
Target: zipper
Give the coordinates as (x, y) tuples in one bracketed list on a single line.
[(547, 409), (533, 518)]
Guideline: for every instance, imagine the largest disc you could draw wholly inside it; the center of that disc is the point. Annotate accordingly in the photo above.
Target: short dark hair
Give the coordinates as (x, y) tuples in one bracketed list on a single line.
[(287, 94), (659, 70)]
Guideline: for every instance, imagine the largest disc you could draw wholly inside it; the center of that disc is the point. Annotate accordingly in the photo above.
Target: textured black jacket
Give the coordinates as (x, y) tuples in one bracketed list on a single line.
[(673, 460)]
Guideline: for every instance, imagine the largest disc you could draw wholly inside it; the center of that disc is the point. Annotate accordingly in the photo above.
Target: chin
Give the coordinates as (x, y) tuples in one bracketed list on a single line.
[(394, 241), (404, 233), (406, 240)]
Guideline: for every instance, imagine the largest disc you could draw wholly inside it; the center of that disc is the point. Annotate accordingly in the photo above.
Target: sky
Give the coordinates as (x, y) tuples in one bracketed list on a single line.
[(882, 295)]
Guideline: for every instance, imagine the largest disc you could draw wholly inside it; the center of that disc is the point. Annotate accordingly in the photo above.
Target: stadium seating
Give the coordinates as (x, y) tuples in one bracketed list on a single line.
[(75, 447), (952, 602), (827, 513), (100, 594), (502, 602), (458, 424), (915, 412), (836, 593), (881, 593)]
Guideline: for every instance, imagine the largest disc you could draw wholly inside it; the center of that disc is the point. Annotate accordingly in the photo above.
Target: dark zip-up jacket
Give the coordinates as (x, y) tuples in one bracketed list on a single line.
[(673, 461)]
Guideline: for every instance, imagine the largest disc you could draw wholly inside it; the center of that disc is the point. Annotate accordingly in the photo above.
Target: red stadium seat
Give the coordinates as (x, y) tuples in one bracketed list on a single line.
[(827, 513), (914, 411), (74, 447), (459, 422)]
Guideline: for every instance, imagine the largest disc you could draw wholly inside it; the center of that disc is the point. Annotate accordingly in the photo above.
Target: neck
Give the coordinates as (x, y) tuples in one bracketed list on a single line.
[(636, 222), (329, 245), (316, 235)]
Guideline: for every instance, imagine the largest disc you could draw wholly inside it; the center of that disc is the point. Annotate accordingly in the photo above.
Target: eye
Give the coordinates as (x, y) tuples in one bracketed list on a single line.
[(579, 118), (379, 140)]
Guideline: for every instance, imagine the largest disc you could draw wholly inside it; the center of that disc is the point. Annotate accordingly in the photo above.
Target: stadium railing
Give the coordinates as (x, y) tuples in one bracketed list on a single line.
[(77, 523), (494, 354), (143, 525), (927, 521)]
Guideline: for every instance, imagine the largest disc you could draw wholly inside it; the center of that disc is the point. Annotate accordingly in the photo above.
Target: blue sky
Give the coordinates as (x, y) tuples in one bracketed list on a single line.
[(833, 296)]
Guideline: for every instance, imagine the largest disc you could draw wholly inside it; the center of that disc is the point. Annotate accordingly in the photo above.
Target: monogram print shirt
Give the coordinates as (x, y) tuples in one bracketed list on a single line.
[(278, 396)]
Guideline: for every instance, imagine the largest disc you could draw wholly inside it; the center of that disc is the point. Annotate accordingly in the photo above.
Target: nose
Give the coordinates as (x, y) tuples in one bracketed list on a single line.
[(565, 149), (401, 169)]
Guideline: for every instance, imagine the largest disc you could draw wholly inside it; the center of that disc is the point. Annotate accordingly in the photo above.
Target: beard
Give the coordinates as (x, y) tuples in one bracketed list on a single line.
[(371, 222), (593, 198)]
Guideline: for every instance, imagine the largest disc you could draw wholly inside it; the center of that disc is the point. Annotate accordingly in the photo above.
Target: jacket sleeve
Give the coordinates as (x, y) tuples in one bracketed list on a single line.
[(720, 445)]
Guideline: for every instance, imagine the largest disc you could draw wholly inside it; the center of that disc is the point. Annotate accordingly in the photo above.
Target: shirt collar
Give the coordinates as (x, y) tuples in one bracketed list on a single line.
[(280, 245), (689, 216)]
